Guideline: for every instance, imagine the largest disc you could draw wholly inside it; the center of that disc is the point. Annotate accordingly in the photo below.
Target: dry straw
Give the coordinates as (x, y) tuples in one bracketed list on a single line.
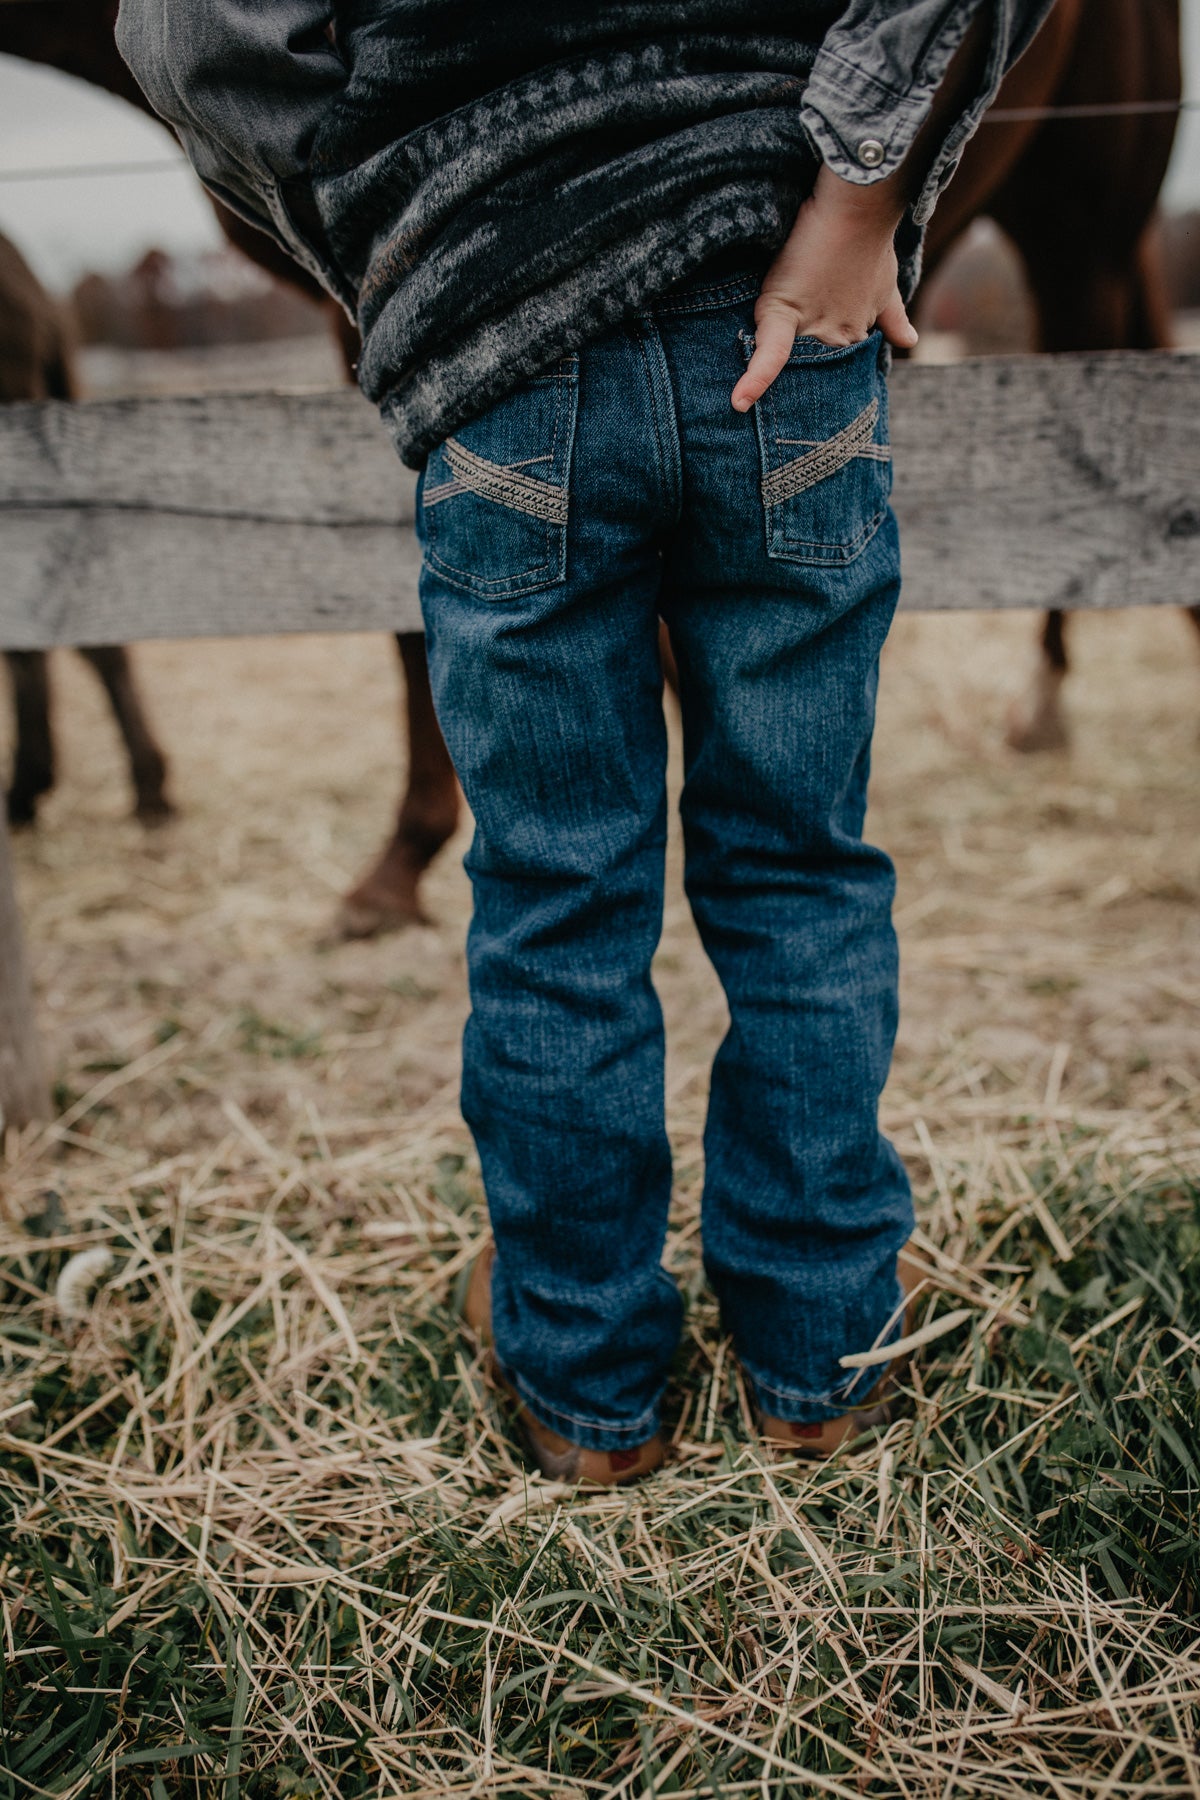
[(264, 1532), (266, 1526)]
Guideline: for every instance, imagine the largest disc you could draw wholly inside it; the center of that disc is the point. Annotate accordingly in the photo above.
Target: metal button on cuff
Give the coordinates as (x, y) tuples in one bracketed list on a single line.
[(870, 153)]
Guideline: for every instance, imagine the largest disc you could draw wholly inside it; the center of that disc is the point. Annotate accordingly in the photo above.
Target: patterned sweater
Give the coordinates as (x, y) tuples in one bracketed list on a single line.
[(486, 185)]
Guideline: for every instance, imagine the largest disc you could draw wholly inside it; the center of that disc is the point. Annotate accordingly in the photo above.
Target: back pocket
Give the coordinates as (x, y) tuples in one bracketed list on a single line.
[(823, 444), (494, 496)]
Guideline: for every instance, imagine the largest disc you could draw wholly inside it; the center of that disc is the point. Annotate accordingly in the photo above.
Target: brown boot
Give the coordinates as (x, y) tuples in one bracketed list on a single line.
[(876, 1409), (557, 1457)]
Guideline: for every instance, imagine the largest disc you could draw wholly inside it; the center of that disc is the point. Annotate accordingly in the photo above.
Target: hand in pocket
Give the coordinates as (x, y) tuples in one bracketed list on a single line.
[(835, 280)]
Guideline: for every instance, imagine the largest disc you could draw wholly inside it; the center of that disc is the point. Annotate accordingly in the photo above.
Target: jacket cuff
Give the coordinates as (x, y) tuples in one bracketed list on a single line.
[(864, 127)]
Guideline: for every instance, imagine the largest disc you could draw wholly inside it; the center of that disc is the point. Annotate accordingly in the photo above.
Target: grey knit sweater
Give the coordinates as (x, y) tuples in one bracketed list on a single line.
[(484, 186)]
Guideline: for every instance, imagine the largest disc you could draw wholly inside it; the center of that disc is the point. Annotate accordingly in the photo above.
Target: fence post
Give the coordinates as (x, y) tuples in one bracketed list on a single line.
[(24, 1093)]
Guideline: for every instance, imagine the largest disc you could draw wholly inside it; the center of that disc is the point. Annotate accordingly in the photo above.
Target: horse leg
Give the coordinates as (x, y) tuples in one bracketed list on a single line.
[(1039, 724), (1193, 613), (666, 652), (1101, 305), (1080, 207), (33, 753), (388, 894), (147, 764), (1077, 308)]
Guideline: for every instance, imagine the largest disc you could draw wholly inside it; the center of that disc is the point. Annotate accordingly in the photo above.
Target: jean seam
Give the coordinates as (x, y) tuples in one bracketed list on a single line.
[(787, 1396), (496, 481), (826, 458), (787, 1404), (710, 299), (670, 469), (504, 585)]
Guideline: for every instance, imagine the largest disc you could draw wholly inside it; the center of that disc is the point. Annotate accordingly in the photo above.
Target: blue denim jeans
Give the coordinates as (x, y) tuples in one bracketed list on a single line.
[(617, 488)]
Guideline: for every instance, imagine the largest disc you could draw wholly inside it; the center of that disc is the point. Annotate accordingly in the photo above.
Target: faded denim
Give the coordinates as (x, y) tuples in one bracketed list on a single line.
[(616, 486)]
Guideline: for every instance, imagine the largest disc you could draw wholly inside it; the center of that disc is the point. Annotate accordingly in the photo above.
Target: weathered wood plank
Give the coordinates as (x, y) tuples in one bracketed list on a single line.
[(1068, 481), (1028, 481), (95, 576), (202, 517), (24, 1093)]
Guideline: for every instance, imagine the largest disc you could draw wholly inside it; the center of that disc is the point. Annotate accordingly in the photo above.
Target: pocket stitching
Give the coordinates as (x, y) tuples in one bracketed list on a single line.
[(529, 579), (825, 459), (508, 487), (785, 547), (823, 352)]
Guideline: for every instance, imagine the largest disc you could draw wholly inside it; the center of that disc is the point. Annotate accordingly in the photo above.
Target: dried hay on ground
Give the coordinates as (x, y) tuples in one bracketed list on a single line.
[(264, 1533)]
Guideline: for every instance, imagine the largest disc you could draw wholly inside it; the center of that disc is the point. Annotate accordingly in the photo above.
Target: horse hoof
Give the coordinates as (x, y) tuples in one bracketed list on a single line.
[(1032, 733), (370, 911), (356, 920), (21, 810), (389, 895), (155, 812)]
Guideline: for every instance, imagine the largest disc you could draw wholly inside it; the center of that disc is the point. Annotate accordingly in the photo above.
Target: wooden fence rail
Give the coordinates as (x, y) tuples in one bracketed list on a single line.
[(1067, 481), (1023, 481)]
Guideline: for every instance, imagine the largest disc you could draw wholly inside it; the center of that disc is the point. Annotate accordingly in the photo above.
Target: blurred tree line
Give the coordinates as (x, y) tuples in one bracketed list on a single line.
[(168, 303), (172, 303)]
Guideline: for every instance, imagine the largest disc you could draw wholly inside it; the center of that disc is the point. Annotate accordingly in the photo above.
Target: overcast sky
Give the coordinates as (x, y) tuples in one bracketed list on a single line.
[(103, 221)]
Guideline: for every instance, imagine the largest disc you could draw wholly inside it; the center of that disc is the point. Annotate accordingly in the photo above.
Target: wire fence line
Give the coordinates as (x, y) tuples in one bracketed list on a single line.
[(162, 165), (999, 115), (1098, 109)]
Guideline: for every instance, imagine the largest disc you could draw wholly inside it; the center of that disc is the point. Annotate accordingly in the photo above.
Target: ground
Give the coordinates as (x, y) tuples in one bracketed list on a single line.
[(1047, 906), (264, 1529)]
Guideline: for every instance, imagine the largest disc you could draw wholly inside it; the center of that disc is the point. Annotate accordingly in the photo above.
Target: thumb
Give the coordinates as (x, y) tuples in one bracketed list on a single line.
[(896, 325), (773, 345)]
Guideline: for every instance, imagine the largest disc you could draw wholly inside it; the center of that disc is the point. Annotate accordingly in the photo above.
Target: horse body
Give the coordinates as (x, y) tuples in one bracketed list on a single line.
[(35, 364), (76, 36), (1077, 196)]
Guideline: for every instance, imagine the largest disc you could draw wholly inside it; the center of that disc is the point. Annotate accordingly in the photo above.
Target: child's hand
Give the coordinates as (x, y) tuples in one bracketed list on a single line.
[(834, 279)]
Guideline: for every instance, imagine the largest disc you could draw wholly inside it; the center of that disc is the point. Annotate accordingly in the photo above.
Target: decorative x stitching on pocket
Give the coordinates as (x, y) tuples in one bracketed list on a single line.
[(507, 486), (855, 439)]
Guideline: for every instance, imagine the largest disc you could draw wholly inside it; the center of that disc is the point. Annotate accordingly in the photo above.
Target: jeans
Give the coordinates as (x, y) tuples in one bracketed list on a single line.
[(616, 488)]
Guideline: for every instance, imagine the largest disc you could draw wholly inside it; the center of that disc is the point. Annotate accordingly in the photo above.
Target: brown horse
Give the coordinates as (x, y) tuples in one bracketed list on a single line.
[(35, 364), (1076, 194), (76, 36)]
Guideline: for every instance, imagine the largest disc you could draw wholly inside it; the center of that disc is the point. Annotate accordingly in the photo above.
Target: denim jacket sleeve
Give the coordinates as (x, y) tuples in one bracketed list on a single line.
[(245, 86), (877, 72)]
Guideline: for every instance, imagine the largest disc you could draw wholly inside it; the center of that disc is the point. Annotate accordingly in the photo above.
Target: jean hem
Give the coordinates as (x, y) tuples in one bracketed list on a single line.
[(588, 1434), (810, 1409), (801, 1406)]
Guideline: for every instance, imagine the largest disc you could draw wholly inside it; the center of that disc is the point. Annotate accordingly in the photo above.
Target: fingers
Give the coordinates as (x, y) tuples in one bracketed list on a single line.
[(776, 334), (773, 345), (896, 325)]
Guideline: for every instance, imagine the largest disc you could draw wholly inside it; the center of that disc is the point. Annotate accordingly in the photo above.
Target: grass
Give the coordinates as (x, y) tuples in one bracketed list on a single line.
[(260, 1526), (265, 1534)]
